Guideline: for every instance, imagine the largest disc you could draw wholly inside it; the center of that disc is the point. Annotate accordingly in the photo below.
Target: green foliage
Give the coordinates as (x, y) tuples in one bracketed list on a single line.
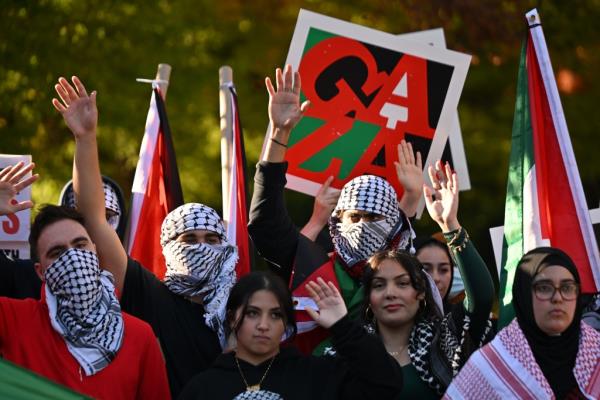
[(110, 43)]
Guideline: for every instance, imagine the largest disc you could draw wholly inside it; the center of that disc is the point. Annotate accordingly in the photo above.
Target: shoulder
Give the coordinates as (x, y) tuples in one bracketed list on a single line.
[(138, 329)]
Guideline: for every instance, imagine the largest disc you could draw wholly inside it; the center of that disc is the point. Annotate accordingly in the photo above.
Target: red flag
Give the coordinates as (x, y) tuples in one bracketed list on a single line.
[(237, 212), (156, 189)]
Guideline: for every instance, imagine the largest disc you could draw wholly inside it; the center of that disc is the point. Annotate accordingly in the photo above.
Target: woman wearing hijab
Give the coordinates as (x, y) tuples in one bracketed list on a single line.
[(546, 352)]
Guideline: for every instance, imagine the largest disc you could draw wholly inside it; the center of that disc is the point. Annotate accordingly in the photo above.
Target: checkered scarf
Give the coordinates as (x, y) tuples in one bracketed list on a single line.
[(199, 269), (356, 242), (84, 309), (111, 202)]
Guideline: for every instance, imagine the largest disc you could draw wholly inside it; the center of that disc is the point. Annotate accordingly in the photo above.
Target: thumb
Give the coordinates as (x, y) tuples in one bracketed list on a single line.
[(312, 313), (427, 192), (304, 106), (93, 97)]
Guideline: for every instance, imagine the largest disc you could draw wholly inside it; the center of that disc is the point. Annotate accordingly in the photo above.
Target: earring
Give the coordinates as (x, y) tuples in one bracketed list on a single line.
[(424, 304), (371, 317)]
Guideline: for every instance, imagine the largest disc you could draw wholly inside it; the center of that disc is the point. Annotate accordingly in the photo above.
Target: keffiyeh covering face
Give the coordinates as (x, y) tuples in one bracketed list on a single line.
[(111, 202), (199, 269), (84, 309), (356, 242)]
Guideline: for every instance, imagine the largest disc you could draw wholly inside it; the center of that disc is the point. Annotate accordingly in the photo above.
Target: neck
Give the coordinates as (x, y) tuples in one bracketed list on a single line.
[(255, 359), (395, 337)]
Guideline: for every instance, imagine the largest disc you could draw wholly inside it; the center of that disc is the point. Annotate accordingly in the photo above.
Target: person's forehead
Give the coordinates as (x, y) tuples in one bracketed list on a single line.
[(60, 233), (200, 233), (554, 273)]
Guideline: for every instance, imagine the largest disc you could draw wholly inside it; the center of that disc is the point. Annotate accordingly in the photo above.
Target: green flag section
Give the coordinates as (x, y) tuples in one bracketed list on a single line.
[(17, 383), (545, 203)]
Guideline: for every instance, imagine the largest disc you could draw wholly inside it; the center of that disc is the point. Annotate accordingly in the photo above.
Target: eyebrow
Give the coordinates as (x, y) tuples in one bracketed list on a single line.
[(568, 280)]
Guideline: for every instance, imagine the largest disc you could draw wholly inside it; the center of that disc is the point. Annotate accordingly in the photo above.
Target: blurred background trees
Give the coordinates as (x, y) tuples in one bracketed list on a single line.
[(110, 43)]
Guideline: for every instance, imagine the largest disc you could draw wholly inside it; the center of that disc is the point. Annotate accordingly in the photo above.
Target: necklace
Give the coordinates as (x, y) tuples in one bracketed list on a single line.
[(397, 352), (256, 387)]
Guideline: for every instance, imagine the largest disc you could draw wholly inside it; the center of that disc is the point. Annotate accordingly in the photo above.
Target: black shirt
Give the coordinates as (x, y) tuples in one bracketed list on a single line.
[(362, 370), (18, 279), (188, 345)]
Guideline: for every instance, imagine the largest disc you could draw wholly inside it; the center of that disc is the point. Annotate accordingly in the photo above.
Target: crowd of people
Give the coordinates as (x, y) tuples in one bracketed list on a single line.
[(382, 314)]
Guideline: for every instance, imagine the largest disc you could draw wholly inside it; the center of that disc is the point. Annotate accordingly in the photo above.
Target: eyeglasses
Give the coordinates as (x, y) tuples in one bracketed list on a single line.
[(545, 291)]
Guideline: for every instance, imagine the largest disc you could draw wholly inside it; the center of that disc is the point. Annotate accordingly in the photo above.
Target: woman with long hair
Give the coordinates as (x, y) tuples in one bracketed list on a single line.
[(546, 352), (260, 314), (403, 305)]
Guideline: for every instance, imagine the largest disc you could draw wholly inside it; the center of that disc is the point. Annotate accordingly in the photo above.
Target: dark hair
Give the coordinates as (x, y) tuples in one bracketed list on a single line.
[(251, 283), (418, 281), (48, 215)]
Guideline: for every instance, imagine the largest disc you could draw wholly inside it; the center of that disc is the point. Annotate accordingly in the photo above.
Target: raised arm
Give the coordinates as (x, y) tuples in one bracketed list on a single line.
[(273, 233), (81, 116), (443, 209)]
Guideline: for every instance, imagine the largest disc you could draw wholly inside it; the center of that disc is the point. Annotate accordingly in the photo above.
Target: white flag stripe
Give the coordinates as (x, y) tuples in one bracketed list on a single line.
[(140, 181)]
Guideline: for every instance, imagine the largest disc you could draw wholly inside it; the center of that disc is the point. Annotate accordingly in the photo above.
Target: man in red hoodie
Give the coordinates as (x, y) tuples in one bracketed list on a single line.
[(76, 334)]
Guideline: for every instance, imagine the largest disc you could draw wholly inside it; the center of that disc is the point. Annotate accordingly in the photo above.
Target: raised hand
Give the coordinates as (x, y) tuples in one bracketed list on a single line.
[(325, 202), (77, 108), (11, 184), (409, 168), (285, 109), (330, 302), (442, 199)]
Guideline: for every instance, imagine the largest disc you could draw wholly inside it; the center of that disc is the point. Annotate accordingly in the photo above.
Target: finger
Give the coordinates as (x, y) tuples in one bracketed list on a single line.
[(334, 290), (270, 87), (287, 78), (62, 93), (69, 89), (312, 313), (454, 183), (304, 106), (22, 206), (435, 182), (279, 79), (326, 184), (80, 88), (312, 292), (410, 156), (58, 105), (401, 154), (324, 287), (317, 289), (419, 161), (21, 172), (93, 97), (427, 193), (9, 170), (26, 182), (12, 171), (297, 82)]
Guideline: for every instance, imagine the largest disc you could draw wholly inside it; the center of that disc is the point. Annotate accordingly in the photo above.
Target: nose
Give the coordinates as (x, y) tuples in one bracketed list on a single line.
[(556, 296), (263, 323), (390, 292)]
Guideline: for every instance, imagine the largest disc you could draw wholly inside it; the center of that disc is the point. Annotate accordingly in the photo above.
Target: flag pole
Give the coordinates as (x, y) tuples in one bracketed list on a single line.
[(163, 74), (226, 117)]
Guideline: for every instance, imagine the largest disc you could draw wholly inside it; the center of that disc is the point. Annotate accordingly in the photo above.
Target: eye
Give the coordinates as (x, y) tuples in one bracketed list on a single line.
[(544, 288), (404, 284), (428, 268), (568, 289), (276, 315), (213, 240), (377, 285), (251, 313)]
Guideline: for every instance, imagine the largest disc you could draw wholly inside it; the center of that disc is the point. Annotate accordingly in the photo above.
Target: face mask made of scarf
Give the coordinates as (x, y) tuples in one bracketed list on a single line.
[(193, 269), (84, 309), (359, 241)]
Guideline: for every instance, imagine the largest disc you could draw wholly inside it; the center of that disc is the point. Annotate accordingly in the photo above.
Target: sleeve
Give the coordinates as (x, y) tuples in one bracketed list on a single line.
[(479, 287), (270, 227), (370, 372), (138, 291), (153, 383)]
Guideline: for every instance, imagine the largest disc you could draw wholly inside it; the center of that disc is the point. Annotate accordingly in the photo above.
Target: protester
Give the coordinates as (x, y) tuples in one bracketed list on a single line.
[(546, 352), (259, 313), (360, 224), (436, 260), (187, 310), (76, 334), (403, 305)]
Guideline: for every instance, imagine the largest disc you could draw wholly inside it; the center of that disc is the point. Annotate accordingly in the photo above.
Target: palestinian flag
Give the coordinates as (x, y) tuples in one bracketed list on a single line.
[(18, 383), (156, 189), (235, 210), (545, 203)]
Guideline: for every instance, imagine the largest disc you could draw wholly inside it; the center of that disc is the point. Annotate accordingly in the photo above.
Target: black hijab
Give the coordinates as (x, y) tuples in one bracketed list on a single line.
[(554, 354)]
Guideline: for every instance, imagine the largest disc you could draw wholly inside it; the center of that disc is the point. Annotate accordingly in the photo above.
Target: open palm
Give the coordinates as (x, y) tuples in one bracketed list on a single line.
[(329, 300), (285, 109), (11, 183), (442, 198), (77, 108)]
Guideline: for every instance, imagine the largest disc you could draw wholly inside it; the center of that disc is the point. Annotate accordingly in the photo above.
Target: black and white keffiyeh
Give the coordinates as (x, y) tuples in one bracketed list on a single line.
[(111, 202), (356, 242), (84, 309), (199, 269), (258, 395)]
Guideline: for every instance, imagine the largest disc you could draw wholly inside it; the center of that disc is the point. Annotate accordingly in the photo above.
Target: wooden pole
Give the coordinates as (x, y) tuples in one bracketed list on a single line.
[(163, 73), (226, 119)]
